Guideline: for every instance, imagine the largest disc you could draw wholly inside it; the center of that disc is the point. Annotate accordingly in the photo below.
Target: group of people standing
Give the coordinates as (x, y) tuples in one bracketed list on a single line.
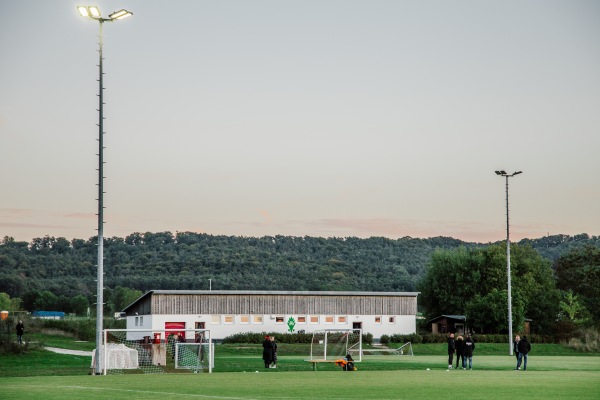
[(270, 352), (463, 348), (464, 351), (521, 347)]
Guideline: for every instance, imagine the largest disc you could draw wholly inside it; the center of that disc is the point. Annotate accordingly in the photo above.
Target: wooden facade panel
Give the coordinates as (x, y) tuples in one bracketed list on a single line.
[(233, 304)]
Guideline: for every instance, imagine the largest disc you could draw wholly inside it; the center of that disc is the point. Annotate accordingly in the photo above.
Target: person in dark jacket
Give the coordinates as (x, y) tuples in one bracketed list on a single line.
[(267, 351), (451, 350), (460, 351), (469, 347), (274, 356), (524, 349), (20, 331), (516, 349)]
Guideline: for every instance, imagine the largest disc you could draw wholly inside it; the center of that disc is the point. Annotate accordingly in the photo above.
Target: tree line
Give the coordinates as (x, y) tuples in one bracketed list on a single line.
[(55, 273)]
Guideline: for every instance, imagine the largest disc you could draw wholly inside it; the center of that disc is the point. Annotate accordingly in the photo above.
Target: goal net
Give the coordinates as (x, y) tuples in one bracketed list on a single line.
[(334, 344), (156, 351)]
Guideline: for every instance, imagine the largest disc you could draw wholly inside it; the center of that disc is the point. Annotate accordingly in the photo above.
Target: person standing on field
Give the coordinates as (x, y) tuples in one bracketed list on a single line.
[(469, 347), (460, 351), (451, 350), (20, 331), (274, 356), (516, 349), (267, 351), (524, 349)]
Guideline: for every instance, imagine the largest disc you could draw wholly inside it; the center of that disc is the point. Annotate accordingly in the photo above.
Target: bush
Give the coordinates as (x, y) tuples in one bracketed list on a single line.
[(80, 328), (253, 337), (435, 338), (290, 338), (400, 338), (490, 338), (384, 340), (588, 342)]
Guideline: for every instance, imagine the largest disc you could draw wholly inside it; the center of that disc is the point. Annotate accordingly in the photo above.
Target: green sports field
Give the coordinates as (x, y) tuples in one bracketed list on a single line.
[(378, 377)]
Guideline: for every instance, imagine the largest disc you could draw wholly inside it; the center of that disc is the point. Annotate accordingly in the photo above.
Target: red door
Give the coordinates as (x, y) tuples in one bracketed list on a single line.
[(175, 325)]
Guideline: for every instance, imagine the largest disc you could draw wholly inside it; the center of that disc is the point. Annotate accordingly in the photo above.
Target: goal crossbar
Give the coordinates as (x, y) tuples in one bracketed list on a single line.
[(332, 344)]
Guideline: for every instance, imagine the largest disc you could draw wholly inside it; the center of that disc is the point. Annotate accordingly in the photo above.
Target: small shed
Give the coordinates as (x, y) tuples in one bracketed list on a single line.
[(527, 326), (449, 324)]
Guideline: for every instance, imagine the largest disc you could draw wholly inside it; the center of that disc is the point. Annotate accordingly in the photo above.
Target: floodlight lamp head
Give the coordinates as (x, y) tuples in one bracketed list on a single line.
[(121, 14), (498, 173), (83, 11), (517, 173), (92, 12)]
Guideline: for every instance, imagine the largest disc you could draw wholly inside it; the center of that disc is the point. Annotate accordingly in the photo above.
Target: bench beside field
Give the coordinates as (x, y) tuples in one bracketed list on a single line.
[(314, 362), (395, 352)]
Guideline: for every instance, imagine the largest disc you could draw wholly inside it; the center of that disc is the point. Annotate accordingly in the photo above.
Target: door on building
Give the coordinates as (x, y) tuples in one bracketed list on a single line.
[(357, 325), (176, 325), (199, 336)]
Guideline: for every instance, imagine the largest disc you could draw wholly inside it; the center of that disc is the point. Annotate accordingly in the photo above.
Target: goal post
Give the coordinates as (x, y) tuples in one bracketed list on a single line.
[(406, 348), (156, 351), (334, 344)]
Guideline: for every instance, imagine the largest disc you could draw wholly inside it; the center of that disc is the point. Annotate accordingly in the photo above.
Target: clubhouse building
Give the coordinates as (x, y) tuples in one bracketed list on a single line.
[(227, 312)]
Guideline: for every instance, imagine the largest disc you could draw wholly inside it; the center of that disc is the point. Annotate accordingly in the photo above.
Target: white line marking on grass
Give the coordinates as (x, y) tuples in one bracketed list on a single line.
[(204, 396), (24, 387)]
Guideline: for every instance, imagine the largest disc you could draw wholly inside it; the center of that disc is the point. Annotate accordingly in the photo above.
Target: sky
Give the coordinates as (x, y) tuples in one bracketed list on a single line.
[(328, 118)]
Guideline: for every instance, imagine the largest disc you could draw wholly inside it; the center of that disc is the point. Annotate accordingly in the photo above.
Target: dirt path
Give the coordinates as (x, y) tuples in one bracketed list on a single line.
[(72, 352)]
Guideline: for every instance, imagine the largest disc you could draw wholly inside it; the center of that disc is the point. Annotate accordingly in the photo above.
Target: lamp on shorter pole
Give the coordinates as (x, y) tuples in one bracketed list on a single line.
[(510, 325)]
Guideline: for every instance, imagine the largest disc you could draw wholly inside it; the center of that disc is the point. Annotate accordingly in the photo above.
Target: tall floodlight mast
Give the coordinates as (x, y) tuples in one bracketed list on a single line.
[(92, 12)]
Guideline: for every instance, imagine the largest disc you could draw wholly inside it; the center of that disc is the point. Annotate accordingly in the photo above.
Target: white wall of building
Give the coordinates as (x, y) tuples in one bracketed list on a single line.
[(222, 326)]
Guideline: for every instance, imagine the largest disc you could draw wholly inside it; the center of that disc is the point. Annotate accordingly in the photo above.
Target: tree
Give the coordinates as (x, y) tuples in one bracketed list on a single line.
[(579, 271), (79, 305), (122, 297), (5, 302), (46, 300), (572, 310), (474, 282)]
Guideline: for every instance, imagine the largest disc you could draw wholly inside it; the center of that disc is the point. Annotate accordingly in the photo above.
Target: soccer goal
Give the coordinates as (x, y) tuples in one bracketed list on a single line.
[(156, 351), (334, 344)]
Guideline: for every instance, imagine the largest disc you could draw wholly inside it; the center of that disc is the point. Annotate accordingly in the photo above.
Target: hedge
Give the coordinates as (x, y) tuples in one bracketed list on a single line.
[(253, 337), (415, 338)]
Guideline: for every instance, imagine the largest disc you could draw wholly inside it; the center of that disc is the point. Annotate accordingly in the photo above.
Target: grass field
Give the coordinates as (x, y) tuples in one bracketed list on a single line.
[(554, 372), (407, 384)]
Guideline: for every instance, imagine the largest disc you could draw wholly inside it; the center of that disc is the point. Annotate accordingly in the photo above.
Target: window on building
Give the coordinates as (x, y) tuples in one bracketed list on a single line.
[(377, 320), (141, 321), (392, 320), (314, 319), (215, 319), (302, 320), (244, 319), (279, 320), (342, 320), (137, 321), (329, 319), (257, 319), (228, 319)]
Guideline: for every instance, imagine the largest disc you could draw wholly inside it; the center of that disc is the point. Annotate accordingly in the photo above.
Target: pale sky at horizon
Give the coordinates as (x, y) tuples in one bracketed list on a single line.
[(303, 118)]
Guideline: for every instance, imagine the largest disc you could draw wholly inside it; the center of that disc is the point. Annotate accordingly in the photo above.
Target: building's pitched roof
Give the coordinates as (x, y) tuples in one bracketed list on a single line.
[(456, 317), (272, 292)]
